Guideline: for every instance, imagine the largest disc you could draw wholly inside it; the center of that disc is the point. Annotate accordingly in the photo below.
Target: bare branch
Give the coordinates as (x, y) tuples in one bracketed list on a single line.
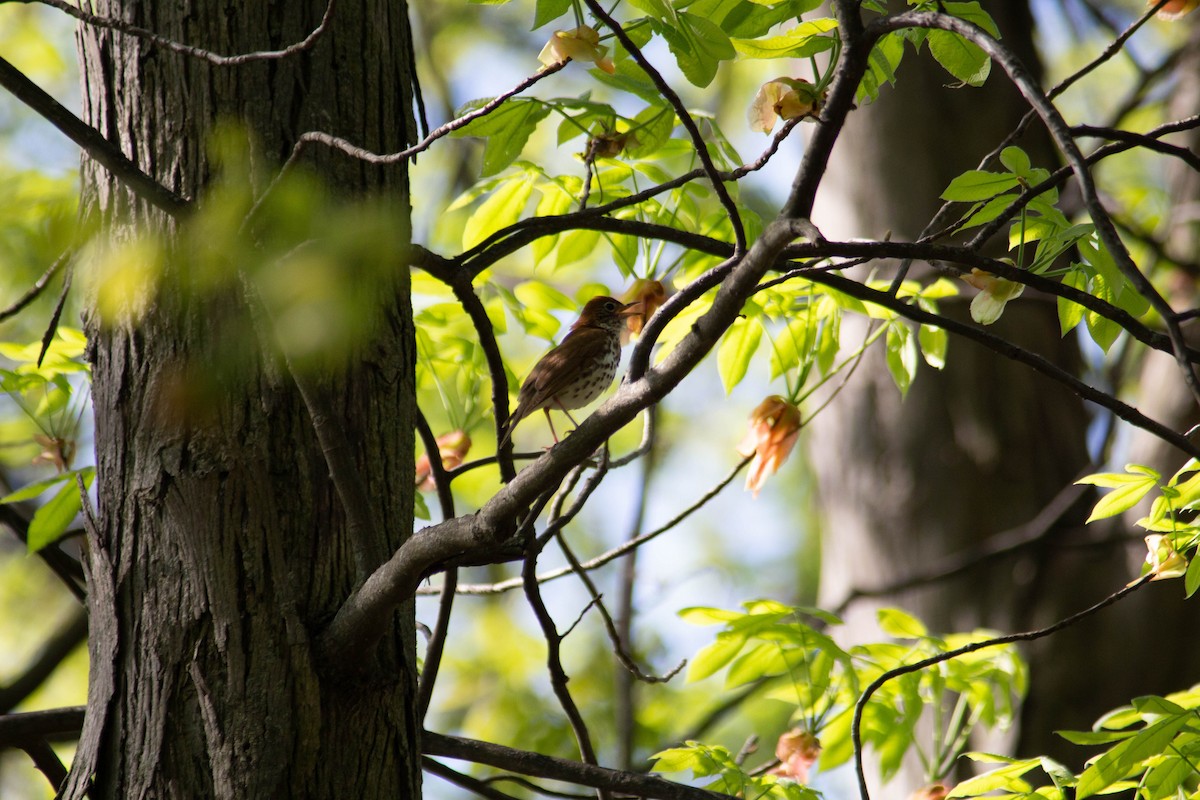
[(604, 558), (51, 654), (93, 143), (363, 154), (58, 724), (522, 762), (437, 638), (120, 26), (38, 287)]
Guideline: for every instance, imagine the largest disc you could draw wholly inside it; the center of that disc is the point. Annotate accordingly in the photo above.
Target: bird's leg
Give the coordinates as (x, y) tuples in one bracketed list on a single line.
[(568, 413), (550, 422)]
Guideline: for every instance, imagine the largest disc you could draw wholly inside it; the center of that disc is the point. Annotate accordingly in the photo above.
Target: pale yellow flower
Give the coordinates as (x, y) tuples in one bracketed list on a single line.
[(581, 44), (783, 98), (994, 293), (1164, 560)]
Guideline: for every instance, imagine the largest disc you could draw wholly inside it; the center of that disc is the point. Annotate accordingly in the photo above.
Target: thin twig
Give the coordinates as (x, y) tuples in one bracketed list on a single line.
[(611, 555), (35, 291), (1028, 636), (383, 159), (120, 26), (537, 765), (101, 150), (473, 785), (441, 628)]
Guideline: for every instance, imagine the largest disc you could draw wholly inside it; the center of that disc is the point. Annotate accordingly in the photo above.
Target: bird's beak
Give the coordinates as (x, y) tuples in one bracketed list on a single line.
[(630, 309)]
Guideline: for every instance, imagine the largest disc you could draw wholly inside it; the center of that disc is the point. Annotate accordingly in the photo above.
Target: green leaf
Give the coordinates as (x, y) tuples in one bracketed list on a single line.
[(1016, 159), (1153, 704), (962, 59), (1005, 778), (802, 41), (420, 508), (934, 342), (978, 184), (51, 520), (506, 130), (736, 349), (549, 10), (901, 355), (1191, 579), (900, 624), (1118, 762), (502, 208), (1103, 330), (715, 656), (1128, 490), (1070, 313), (32, 490), (885, 57), (705, 615)]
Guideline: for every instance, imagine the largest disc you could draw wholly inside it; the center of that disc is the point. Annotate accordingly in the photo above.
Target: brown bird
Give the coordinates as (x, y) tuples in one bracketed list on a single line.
[(577, 371)]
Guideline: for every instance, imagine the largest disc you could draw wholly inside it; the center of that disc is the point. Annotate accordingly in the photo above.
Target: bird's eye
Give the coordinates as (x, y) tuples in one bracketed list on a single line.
[(610, 306)]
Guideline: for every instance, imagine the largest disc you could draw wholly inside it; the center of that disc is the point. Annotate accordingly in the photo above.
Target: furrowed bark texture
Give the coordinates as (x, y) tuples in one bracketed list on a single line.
[(221, 546)]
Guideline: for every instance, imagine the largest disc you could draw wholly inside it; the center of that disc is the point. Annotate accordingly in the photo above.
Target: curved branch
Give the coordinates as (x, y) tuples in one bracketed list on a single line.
[(38, 287), (523, 762), (120, 26), (1013, 352), (101, 150)]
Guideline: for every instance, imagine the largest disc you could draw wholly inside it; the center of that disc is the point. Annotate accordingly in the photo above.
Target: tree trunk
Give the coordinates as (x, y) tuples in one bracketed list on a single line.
[(979, 449), (220, 546)]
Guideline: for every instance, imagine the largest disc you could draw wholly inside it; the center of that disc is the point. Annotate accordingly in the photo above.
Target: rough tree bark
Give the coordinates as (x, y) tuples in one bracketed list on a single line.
[(220, 545), (979, 449)]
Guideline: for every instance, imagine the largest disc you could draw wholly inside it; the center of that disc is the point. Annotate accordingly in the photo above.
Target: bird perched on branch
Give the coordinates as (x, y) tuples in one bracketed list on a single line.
[(577, 371)]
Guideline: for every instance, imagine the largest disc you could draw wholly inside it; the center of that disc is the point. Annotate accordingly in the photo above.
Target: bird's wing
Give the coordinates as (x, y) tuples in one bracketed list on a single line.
[(559, 368)]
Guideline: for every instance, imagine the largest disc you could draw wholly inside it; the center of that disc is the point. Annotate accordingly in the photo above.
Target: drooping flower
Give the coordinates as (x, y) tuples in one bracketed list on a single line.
[(783, 98), (934, 791), (580, 44), (1164, 560), (453, 448), (774, 428), (994, 293), (1175, 9), (797, 750), (650, 294)]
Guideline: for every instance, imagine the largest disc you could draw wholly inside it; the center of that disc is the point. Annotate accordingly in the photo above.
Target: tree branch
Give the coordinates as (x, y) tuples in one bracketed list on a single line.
[(539, 766), (56, 724), (52, 653), (93, 143), (38, 287), (120, 26), (363, 616)]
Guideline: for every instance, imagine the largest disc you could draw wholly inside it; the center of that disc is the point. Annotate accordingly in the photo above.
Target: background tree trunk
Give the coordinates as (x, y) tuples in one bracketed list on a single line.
[(221, 546), (979, 449)]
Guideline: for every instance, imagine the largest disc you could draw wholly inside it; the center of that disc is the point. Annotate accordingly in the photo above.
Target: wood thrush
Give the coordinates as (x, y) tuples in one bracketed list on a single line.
[(577, 371)]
